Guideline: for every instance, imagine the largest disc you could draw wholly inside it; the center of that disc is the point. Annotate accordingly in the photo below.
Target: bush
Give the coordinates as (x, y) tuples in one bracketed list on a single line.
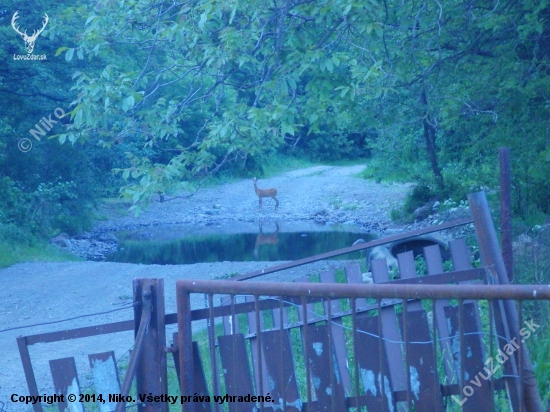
[(417, 197)]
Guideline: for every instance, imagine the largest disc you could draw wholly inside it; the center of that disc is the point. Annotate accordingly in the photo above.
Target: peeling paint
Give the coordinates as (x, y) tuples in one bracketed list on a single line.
[(318, 347), (105, 382), (316, 382), (328, 390), (415, 382), (73, 389), (280, 405), (271, 383), (367, 376), (387, 392)]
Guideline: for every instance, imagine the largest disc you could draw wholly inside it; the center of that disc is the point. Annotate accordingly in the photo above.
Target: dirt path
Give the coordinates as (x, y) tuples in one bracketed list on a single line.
[(302, 195), (34, 293)]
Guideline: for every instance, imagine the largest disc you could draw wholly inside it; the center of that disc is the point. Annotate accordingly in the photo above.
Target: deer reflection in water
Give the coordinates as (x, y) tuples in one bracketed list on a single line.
[(266, 238)]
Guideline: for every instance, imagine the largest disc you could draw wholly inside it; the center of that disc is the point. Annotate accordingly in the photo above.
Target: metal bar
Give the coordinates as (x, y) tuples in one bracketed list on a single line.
[(462, 374), (383, 291), (382, 386), (306, 353), (406, 356), (259, 342), (27, 368), (520, 356), (212, 347), (490, 304), (331, 355), (134, 358), (85, 332), (489, 250), (281, 329), (354, 339), (506, 211), (361, 246), (434, 343)]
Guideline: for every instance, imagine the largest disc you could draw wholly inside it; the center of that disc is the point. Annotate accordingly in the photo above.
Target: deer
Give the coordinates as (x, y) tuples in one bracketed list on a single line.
[(261, 193), (266, 239), (29, 40)]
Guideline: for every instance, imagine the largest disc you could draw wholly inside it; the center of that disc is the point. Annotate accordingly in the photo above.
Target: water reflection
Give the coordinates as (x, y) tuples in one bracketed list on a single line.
[(269, 242), (266, 239)]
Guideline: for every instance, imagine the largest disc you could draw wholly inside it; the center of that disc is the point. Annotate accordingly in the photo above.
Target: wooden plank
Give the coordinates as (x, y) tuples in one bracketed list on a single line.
[(420, 361), (338, 335), (280, 371), (373, 369), (105, 378), (390, 331), (354, 275), (65, 382), (322, 360), (199, 379), (407, 270), (481, 398), (460, 254), (236, 370), (435, 267), (253, 329)]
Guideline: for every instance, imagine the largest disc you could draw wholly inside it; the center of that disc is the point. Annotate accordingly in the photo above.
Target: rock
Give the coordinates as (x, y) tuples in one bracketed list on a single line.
[(321, 212), (367, 277), (108, 238), (62, 240), (422, 212), (382, 252)]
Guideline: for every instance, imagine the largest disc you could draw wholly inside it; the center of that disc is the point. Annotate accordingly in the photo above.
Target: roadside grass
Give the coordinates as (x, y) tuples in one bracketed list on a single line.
[(13, 252)]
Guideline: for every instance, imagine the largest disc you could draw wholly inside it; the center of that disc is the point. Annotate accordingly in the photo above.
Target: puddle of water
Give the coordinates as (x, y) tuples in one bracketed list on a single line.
[(236, 242)]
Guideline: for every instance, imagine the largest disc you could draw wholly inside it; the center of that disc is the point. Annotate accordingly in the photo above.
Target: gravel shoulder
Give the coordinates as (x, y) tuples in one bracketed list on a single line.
[(35, 293)]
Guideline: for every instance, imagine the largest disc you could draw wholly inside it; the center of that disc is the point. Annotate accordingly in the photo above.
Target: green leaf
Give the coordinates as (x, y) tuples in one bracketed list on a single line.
[(69, 55), (60, 50), (128, 103)]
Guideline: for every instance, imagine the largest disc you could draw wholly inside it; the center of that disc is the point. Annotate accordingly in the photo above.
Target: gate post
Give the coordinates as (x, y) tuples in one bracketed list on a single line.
[(151, 372), (506, 211), (489, 251)]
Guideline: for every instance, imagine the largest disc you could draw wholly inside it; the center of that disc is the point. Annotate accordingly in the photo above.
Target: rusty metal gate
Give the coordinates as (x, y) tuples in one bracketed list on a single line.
[(336, 344)]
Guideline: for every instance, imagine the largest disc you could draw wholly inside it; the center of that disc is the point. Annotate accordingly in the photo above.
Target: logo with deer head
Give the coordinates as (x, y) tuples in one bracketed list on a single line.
[(29, 40)]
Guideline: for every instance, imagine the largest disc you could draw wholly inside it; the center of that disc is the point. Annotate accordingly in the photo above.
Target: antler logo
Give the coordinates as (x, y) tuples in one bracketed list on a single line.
[(29, 40)]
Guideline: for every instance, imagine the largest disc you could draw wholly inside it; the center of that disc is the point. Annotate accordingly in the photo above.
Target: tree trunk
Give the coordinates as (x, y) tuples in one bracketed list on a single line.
[(430, 131)]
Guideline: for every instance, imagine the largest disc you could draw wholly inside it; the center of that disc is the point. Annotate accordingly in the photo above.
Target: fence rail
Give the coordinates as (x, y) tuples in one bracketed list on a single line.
[(369, 347)]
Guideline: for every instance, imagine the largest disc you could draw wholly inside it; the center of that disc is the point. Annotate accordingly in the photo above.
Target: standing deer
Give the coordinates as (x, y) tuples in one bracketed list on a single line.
[(29, 40), (272, 193)]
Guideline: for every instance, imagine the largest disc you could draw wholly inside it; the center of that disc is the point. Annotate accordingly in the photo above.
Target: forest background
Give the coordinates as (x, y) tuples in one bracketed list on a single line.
[(160, 96)]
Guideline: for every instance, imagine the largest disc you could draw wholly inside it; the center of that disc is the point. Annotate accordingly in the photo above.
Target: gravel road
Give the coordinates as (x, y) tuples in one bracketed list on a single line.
[(34, 293)]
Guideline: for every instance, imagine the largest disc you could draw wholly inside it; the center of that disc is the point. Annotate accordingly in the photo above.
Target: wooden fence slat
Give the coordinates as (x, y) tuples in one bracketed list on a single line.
[(236, 370), (105, 377), (280, 371), (65, 382), (420, 360), (199, 379), (328, 389), (373, 370), (481, 398), (338, 335)]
